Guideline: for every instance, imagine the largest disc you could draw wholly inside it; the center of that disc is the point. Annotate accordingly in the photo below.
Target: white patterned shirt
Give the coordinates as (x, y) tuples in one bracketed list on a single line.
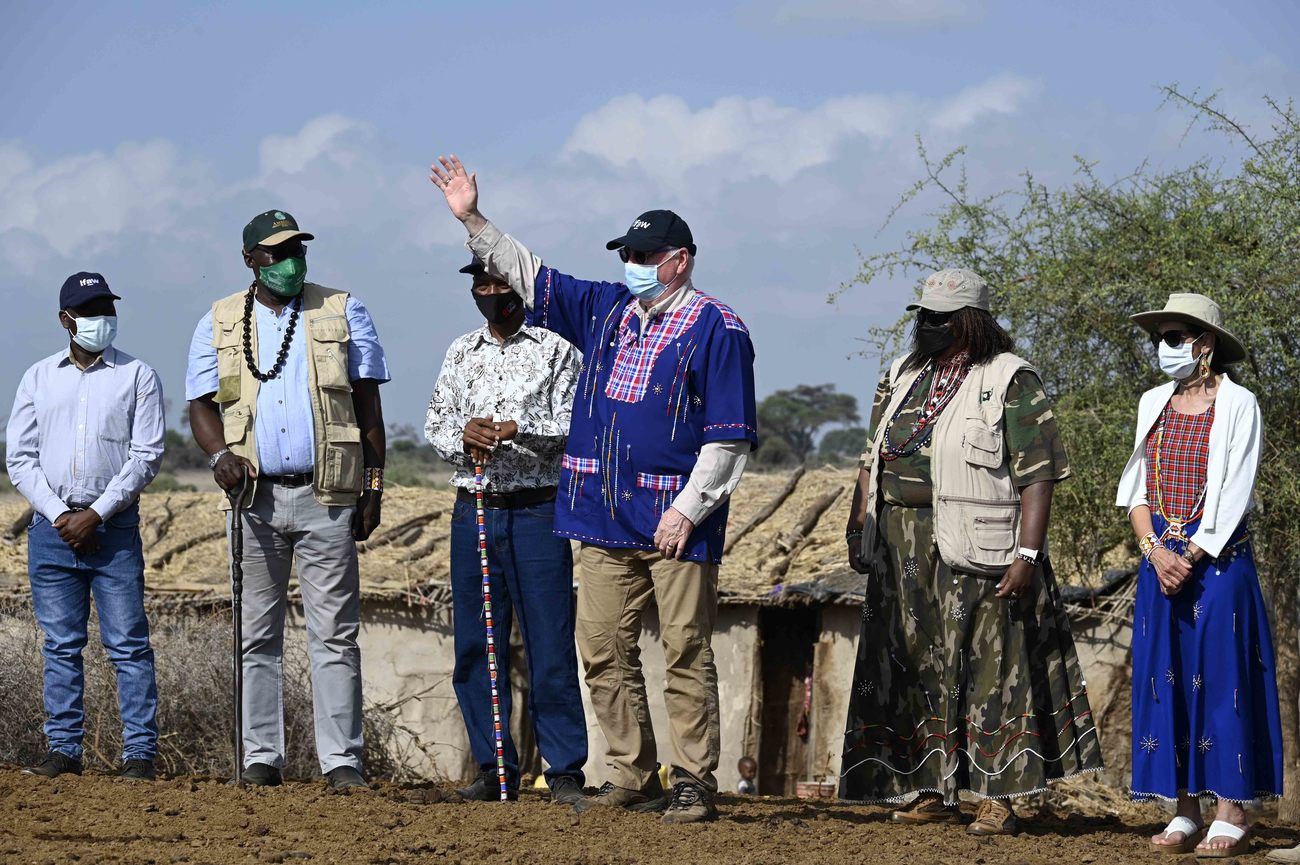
[(529, 379)]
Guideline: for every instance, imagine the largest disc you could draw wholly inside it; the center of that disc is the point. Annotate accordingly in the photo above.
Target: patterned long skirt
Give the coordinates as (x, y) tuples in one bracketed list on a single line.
[(1205, 711), (956, 689)]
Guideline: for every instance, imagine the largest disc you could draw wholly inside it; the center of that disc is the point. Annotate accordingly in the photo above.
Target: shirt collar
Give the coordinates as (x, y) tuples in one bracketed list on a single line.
[(670, 304), (485, 336), (108, 356)]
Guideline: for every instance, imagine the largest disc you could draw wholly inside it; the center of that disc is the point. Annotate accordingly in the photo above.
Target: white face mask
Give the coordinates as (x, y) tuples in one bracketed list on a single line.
[(94, 332), (1178, 363)]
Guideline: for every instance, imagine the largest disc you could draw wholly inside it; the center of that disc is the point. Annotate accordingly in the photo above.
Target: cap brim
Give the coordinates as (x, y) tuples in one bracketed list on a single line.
[(938, 306), (473, 269), (282, 236), (1228, 349), (633, 243)]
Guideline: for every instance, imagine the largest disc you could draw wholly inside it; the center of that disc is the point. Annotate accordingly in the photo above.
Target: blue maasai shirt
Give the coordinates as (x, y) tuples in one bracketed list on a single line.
[(645, 404)]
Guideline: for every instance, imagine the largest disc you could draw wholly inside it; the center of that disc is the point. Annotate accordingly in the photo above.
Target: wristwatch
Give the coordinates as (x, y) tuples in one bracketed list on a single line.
[(216, 457), (1034, 557)]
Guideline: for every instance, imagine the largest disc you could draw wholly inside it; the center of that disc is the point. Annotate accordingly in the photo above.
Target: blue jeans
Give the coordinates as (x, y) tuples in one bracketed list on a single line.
[(532, 581), (62, 584)]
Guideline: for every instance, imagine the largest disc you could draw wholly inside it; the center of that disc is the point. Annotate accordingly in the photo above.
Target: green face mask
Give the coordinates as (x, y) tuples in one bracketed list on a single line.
[(286, 277)]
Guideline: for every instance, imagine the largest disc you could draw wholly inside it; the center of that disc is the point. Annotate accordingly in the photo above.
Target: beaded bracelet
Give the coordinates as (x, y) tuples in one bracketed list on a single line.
[(372, 479), (1148, 544)]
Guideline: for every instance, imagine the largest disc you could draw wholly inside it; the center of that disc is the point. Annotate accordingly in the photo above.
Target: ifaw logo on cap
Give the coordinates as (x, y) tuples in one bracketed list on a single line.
[(283, 223), (640, 223), (89, 281)]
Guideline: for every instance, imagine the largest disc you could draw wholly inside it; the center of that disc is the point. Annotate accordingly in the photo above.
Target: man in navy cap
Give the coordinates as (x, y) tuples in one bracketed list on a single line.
[(663, 423), (85, 437), (503, 401)]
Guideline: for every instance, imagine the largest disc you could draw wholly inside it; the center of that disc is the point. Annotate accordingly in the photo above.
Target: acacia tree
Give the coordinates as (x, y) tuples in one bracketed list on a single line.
[(788, 420), (1068, 265)]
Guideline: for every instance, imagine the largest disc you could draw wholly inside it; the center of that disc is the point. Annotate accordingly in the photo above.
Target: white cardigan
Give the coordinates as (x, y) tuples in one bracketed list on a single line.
[(1236, 441)]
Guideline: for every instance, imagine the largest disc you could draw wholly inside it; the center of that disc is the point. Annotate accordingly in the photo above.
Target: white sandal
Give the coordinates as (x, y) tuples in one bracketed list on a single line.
[(1192, 834), (1222, 829)]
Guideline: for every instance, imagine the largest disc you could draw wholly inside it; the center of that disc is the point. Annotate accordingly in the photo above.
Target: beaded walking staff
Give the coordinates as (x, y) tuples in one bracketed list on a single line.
[(491, 635)]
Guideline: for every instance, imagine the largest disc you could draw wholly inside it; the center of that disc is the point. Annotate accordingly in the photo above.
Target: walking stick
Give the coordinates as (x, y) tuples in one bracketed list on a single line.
[(491, 636), (237, 613)]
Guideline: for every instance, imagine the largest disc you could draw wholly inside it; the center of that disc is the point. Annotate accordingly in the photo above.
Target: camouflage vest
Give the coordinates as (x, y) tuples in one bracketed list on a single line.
[(976, 503), (338, 437)]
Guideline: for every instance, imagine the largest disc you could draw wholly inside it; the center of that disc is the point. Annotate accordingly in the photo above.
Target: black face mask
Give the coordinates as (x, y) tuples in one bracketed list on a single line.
[(934, 339), (498, 308)]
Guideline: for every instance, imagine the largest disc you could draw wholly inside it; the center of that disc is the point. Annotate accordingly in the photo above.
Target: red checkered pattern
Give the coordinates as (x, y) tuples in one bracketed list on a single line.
[(636, 357), (729, 317), (1184, 450), (580, 465), (669, 483)]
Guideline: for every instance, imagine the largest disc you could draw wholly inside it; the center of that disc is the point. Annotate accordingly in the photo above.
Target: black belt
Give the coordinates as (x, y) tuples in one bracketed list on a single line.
[(301, 479), (509, 501)]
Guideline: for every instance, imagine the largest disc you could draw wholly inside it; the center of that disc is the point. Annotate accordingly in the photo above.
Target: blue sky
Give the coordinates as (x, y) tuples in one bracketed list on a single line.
[(137, 139)]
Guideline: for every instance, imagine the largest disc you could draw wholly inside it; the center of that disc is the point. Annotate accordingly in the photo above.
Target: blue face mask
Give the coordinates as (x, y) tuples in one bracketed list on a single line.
[(643, 280)]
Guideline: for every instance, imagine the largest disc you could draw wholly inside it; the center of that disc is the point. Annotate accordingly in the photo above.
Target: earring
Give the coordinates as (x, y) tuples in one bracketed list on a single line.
[(1205, 365)]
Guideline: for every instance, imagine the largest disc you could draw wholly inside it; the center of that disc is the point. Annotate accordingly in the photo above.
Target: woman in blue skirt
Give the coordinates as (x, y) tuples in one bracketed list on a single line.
[(1205, 716)]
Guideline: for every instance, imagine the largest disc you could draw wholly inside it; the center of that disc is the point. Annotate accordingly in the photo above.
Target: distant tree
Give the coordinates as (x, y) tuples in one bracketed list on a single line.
[(180, 453), (793, 418), (840, 445)]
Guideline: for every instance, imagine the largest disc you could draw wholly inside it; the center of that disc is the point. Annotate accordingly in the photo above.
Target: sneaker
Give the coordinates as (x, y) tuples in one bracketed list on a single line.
[(927, 808), (343, 778), (565, 790), (262, 775), (138, 769), (54, 765), (690, 803), (649, 798), (994, 817), (487, 788)]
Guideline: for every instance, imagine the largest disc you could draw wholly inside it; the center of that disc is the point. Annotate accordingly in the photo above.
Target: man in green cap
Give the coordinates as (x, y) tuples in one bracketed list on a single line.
[(297, 410)]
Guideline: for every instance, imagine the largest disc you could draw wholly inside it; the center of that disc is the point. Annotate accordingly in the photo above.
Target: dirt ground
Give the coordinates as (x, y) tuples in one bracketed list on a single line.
[(96, 819)]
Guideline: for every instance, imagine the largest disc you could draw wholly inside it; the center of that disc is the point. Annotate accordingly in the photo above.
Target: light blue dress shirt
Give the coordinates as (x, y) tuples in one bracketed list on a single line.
[(92, 437), (284, 427)]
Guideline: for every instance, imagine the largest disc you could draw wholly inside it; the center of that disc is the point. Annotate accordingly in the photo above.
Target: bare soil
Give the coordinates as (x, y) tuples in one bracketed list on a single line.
[(97, 819)]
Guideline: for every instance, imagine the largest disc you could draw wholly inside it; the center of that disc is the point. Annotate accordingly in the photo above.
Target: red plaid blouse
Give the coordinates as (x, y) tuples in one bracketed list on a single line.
[(1184, 442)]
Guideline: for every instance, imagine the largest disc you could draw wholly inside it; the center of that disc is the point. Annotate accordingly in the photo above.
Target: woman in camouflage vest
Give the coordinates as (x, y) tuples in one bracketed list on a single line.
[(967, 677)]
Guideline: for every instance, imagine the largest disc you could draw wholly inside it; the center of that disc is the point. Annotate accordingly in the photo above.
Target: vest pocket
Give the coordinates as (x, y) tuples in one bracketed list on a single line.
[(235, 425), (982, 445), (329, 342), (229, 344), (342, 470), (978, 535)]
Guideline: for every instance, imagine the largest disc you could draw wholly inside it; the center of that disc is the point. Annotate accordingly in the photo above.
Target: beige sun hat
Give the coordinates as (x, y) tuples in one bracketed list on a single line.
[(952, 289), (1199, 310)]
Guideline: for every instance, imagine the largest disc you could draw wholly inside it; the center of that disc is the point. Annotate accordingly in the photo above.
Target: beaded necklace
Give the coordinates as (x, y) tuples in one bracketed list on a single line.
[(943, 387), (280, 358)]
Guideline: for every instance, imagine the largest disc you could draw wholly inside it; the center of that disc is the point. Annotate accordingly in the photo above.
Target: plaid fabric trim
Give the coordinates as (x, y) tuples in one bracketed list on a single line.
[(737, 427), (729, 317), (636, 358), (1184, 452), (669, 483), (581, 465)]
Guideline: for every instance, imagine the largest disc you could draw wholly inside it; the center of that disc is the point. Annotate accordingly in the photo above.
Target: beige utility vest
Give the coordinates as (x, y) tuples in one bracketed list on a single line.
[(976, 503), (338, 437)]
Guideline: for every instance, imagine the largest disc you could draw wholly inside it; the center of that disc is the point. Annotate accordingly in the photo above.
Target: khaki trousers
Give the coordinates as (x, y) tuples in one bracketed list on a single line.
[(615, 587)]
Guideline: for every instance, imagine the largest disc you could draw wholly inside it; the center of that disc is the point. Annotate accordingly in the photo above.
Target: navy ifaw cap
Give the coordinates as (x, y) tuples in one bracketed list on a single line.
[(82, 288), (655, 230)]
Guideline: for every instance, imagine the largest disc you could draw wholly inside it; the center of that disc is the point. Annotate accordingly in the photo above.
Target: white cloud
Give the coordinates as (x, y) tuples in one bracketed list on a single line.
[(1003, 94), (821, 14), (324, 136), (696, 152)]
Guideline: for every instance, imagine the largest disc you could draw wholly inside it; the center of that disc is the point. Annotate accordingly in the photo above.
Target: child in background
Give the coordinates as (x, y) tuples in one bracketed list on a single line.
[(748, 769)]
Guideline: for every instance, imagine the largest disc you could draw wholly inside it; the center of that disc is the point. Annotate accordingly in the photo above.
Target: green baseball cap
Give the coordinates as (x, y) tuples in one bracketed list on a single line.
[(270, 228)]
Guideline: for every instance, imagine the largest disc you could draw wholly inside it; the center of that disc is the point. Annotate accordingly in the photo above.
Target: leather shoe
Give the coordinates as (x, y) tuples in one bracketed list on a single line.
[(486, 788), (345, 778), (262, 775), (54, 765), (138, 769), (565, 790)]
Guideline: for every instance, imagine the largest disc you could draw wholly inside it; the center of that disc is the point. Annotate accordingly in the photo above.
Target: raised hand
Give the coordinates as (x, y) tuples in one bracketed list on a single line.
[(459, 187)]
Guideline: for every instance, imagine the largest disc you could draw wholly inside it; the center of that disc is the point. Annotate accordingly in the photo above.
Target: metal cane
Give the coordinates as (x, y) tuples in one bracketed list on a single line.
[(237, 614), (491, 636)]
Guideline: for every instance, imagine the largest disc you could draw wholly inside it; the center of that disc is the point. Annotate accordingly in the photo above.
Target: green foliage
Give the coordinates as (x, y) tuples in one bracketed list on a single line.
[(166, 482), (181, 453), (1069, 265), (788, 420), (842, 445), (413, 463)]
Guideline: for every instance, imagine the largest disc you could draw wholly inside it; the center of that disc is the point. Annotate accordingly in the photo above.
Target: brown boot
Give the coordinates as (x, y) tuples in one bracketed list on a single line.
[(927, 808), (994, 817)]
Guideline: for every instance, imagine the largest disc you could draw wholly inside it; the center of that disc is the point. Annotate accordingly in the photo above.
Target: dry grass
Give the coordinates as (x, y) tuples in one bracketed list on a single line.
[(192, 658)]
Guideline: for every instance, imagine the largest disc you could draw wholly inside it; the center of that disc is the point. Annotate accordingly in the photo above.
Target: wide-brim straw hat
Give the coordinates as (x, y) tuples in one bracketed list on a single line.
[(1197, 309)]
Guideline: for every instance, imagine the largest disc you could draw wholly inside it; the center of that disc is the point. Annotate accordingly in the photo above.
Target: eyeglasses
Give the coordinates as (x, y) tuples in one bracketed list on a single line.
[(636, 256), (934, 319), (1174, 338)]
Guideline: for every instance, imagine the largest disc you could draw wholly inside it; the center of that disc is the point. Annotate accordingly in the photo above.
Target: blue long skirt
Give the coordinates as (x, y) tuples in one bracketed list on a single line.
[(1205, 716)]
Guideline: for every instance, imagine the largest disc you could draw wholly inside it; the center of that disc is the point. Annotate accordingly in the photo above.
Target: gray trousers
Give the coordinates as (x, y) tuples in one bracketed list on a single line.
[(282, 523)]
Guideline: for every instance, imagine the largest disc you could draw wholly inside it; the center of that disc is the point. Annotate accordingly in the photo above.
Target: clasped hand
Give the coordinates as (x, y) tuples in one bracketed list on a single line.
[(483, 434), (1172, 570), (77, 530)]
